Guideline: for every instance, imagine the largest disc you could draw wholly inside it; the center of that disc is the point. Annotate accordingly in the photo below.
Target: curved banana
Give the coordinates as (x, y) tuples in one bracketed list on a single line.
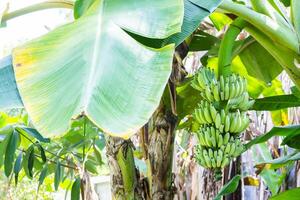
[(216, 92), (220, 140), (207, 114), (226, 138), (218, 121), (227, 123), (226, 91), (213, 112)]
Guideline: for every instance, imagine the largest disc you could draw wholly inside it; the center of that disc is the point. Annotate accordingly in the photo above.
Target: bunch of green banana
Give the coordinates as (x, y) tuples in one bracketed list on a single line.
[(218, 158), (206, 113), (242, 102), (222, 117), (209, 136), (224, 89), (231, 122)]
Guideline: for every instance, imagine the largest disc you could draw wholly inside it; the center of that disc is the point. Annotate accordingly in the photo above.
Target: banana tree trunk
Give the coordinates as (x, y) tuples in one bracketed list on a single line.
[(210, 187), (124, 176), (229, 173), (157, 141), (159, 134), (160, 150)]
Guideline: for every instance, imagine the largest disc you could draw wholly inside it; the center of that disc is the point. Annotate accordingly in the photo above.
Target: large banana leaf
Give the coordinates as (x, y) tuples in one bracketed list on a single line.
[(9, 95), (194, 12), (93, 67)]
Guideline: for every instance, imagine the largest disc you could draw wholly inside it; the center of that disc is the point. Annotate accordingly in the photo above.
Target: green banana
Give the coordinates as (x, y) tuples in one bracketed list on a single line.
[(221, 128), (219, 161), (225, 162), (223, 116), (232, 91), (232, 149), (210, 153), (227, 149), (218, 121), (216, 92), (202, 116), (207, 115), (222, 95), (207, 139), (238, 122), (220, 140), (226, 91), (213, 131), (226, 138), (227, 123), (233, 123), (215, 154), (222, 83), (206, 158), (198, 117), (213, 112), (202, 140), (213, 162), (208, 94)]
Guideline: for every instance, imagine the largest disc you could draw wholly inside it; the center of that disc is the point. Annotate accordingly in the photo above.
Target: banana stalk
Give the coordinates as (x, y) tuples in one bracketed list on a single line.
[(274, 30), (226, 48)]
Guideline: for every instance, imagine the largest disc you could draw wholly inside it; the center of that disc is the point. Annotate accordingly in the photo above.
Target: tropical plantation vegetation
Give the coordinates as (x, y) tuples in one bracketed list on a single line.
[(171, 99)]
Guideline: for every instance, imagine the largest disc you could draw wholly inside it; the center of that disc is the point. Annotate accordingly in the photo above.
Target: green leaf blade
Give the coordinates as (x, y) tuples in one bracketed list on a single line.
[(118, 90), (276, 102), (9, 94), (75, 191), (229, 188), (10, 153), (57, 175), (292, 194), (18, 166), (43, 175)]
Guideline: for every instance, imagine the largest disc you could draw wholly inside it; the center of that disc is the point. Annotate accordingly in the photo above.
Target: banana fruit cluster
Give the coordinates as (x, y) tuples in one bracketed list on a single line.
[(221, 116), (232, 89)]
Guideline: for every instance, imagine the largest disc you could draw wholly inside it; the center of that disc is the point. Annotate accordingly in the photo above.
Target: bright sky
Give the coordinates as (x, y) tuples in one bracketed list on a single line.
[(24, 28)]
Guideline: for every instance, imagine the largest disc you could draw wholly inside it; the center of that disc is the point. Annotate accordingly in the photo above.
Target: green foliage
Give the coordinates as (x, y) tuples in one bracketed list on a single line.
[(275, 131), (30, 154), (276, 102), (9, 97), (272, 178), (202, 41), (81, 6), (259, 63), (292, 194), (194, 12), (25, 190), (13, 142), (75, 192), (105, 89), (222, 116), (229, 187)]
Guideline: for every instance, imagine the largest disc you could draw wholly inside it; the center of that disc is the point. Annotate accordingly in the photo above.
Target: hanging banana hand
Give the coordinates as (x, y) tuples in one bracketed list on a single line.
[(222, 117)]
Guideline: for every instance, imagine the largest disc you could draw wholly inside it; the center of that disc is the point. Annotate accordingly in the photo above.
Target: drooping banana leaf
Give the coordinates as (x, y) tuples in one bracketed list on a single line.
[(194, 12), (9, 95), (93, 67)]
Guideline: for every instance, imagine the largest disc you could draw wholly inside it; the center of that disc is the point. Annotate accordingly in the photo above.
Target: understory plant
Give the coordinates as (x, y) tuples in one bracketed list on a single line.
[(118, 70)]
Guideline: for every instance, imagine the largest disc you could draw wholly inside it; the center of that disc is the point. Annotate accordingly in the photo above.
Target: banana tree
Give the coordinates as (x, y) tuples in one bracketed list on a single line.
[(106, 75), (116, 74)]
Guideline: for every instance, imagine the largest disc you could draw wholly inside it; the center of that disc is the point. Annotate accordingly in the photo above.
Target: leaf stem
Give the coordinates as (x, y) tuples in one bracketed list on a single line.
[(38, 7), (284, 56), (52, 161), (281, 34), (226, 48), (44, 148), (264, 7)]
